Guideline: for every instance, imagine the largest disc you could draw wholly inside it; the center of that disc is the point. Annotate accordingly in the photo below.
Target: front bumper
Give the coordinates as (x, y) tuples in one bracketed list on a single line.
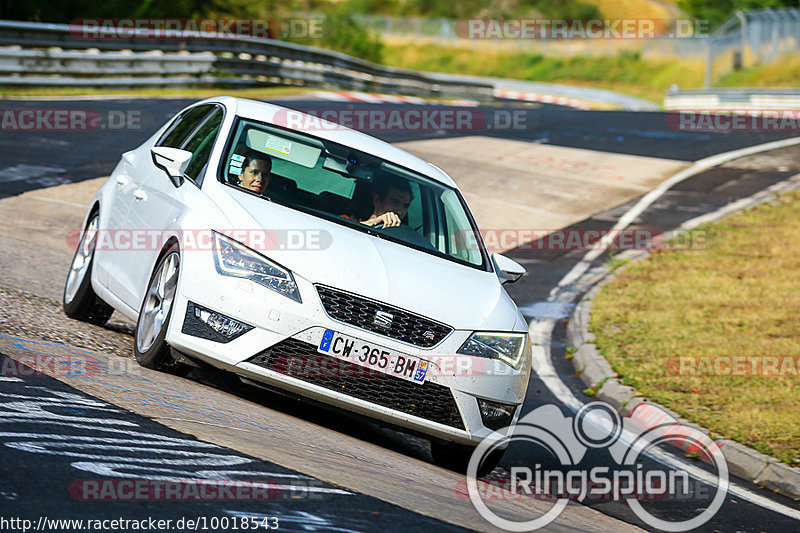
[(281, 351)]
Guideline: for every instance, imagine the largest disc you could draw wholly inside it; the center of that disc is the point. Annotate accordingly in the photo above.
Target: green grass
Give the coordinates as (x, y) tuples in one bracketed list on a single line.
[(784, 73), (626, 72), (614, 262), (595, 388), (570, 353), (738, 296), (634, 8)]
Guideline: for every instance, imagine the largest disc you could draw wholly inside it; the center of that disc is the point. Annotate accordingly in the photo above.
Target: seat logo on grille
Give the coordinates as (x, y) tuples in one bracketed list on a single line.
[(383, 319)]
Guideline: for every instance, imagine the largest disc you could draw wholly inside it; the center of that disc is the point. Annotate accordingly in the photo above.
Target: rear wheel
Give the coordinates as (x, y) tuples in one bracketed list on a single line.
[(80, 301), (150, 346), (456, 457)]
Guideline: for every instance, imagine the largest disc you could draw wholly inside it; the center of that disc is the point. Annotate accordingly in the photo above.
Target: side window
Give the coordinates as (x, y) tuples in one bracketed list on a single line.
[(459, 240), (414, 216), (184, 126), (201, 144)]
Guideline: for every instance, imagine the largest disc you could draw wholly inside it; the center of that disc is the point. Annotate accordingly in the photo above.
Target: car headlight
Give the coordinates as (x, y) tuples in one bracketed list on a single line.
[(234, 259), (507, 347)]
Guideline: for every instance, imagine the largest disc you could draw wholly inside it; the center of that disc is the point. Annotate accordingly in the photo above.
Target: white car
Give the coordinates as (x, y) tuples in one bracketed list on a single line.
[(300, 287)]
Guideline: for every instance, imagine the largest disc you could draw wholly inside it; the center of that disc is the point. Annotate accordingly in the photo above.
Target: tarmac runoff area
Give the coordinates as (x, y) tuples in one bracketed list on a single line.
[(33, 231), (520, 186)]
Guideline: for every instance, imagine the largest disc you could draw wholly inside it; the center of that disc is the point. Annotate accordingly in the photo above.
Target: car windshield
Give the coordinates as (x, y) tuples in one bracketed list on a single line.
[(352, 188)]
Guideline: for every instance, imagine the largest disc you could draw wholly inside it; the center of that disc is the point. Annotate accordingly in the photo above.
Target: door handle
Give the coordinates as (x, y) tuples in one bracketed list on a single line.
[(139, 194), (122, 180)]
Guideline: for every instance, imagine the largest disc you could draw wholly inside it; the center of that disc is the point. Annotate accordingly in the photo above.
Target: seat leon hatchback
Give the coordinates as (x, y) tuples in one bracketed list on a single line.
[(320, 262)]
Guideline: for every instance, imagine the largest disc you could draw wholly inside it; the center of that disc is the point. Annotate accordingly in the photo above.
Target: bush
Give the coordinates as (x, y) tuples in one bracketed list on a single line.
[(343, 34)]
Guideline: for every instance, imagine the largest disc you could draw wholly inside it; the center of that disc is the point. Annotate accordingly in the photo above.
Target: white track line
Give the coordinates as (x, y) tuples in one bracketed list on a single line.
[(62, 202), (648, 199), (541, 330)]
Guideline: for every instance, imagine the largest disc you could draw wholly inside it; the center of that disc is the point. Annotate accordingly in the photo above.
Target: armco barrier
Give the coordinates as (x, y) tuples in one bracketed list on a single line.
[(734, 99), (60, 58)]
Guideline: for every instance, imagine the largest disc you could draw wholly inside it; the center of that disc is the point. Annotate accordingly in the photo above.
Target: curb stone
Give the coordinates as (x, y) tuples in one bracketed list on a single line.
[(592, 368)]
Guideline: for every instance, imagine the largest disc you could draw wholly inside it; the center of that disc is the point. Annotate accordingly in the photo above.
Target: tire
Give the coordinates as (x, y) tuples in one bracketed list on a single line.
[(150, 347), (79, 299), (456, 457)]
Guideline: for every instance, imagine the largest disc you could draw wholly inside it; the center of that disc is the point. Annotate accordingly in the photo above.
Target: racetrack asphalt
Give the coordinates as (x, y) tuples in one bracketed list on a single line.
[(75, 156)]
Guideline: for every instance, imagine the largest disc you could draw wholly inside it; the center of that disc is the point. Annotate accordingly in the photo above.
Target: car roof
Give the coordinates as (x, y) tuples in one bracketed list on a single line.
[(264, 112)]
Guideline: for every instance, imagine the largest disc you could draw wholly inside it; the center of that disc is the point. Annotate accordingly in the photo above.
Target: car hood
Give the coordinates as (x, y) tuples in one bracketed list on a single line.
[(328, 253)]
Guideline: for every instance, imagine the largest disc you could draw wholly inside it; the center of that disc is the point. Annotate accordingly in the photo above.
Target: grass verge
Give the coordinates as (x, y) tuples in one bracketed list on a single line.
[(738, 296), (626, 72)]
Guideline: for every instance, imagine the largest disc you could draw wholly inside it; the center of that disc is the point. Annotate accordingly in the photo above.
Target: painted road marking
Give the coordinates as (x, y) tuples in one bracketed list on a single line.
[(62, 202), (567, 291), (124, 455)]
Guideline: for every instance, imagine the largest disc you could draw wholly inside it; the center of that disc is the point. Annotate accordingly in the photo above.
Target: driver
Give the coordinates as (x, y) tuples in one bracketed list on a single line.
[(390, 203)]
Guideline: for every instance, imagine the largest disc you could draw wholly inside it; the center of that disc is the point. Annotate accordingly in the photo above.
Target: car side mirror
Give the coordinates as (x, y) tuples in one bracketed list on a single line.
[(507, 269), (173, 161)]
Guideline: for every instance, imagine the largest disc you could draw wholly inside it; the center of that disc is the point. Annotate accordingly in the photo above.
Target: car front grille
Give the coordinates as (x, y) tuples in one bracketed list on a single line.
[(301, 360), (361, 313)]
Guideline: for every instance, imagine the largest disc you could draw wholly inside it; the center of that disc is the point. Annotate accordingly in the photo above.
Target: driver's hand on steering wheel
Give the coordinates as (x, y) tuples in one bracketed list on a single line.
[(388, 219)]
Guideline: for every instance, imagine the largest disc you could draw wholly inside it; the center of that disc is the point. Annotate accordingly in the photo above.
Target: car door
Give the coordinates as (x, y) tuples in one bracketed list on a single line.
[(155, 202), (115, 215)]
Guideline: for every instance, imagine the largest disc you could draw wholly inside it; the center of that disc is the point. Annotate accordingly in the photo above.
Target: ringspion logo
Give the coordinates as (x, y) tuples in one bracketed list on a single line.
[(629, 476)]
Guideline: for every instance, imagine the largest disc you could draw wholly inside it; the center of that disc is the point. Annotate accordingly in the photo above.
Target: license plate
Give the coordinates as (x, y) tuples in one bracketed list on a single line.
[(373, 356)]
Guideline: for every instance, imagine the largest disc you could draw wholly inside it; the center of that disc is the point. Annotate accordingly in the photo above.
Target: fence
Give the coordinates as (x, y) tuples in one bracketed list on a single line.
[(49, 54), (745, 39)]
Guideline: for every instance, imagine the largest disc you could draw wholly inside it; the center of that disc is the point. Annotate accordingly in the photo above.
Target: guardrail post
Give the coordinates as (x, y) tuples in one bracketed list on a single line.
[(743, 20)]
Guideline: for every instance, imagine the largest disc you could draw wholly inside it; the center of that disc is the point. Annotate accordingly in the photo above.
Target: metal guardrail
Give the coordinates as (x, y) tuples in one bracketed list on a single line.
[(734, 99), (584, 94), (102, 63), (236, 60)]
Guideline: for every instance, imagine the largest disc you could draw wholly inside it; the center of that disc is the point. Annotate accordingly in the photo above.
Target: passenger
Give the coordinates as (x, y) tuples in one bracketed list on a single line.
[(390, 203)]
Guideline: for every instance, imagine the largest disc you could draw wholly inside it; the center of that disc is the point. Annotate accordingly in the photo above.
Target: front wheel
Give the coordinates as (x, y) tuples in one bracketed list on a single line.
[(150, 346), (80, 301), (456, 457)]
